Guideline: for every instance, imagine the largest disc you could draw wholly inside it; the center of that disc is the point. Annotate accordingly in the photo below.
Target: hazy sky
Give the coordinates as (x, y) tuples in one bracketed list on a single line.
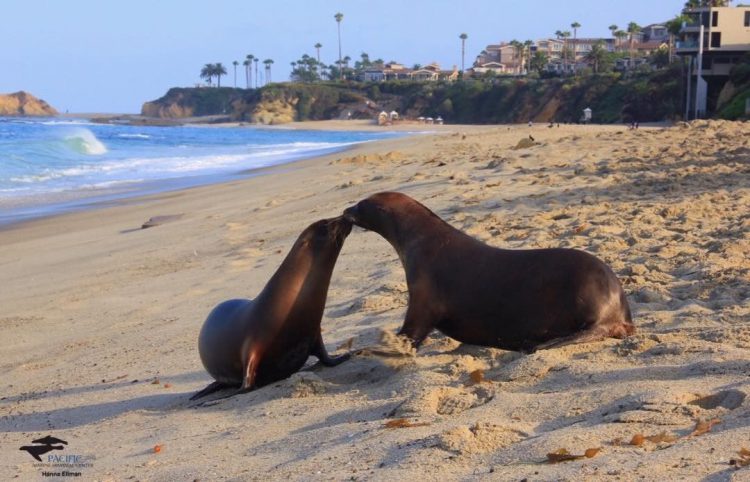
[(112, 55)]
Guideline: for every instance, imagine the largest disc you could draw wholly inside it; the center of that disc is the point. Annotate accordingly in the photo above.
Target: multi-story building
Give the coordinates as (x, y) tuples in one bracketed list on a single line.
[(726, 38), (395, 71), (552, 48), (502, 58), (582, 46), (656, 32)]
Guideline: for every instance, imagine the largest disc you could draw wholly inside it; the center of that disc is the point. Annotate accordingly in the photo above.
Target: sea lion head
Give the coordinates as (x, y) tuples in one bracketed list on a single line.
[(326, 236), (381, 211)]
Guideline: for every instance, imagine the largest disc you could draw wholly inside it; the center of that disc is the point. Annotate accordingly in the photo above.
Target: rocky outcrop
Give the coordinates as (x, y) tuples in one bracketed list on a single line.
[(23, 103), (180, 103), (277, 111)]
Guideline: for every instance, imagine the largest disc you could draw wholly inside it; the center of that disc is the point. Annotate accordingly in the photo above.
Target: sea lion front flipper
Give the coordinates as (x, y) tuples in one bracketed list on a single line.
[(251, 369), (211, 388), (418, 322), (327, 360)]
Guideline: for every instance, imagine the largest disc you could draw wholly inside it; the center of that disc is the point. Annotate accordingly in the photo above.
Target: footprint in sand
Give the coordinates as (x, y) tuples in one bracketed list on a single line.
[(445, 400), (478, 438), (677, 408)]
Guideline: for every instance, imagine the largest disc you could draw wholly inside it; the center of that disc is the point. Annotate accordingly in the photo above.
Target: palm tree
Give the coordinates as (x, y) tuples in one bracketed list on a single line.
[(268, 63), (256, 59), (674, 27), (633, 28), (250, 58), (247, 63), (317, 48), (235, 63), (539, 61), (463, 38), (596, 56), (517, 52), (621, 35), (613, 28), (207, 72), (565, 37), (339, 17), (219, 70), (575, 26), (528, 44)]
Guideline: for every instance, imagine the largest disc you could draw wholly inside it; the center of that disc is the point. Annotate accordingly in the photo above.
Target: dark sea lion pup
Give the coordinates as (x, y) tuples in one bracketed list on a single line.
[(520, 300), (251, 343)]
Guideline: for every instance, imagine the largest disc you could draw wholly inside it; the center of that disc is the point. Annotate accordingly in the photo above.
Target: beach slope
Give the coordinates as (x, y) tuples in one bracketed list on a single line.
[(100, 319)]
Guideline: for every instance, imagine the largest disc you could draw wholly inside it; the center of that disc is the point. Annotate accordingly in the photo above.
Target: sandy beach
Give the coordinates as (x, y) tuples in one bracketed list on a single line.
[(100, 319)]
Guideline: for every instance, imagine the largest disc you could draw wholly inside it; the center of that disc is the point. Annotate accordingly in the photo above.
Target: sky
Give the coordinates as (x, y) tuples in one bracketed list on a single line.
[(110, 56)]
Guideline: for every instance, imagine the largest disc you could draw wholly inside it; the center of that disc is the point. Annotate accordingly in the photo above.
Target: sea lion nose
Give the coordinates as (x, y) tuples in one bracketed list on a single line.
[(350, 214)]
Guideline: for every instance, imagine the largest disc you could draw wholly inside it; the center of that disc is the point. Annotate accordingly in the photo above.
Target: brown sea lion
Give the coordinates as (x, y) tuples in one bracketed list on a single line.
[(251, 343), (512, 299)]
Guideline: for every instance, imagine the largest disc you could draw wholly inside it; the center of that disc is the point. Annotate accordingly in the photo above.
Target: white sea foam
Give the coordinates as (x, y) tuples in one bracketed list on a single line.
[(154, 167), (134, 136)]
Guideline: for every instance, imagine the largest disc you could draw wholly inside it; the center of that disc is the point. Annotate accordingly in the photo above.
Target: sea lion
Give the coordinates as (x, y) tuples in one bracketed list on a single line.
[(251, 343), (520, 300)]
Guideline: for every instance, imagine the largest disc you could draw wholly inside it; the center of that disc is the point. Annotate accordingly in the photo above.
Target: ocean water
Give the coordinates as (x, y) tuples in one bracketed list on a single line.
[(53, 165)]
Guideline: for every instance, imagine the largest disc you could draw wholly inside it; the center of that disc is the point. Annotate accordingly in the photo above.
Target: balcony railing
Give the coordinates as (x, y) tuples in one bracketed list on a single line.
[(687, 44)]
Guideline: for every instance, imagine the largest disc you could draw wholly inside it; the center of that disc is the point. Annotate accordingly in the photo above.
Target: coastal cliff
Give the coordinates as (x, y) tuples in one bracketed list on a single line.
[(613, 98), (273, 104), (179, 103), (23, 103)]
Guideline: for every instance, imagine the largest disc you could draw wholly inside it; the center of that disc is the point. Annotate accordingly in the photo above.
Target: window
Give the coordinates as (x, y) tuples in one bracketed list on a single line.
[(715, 39), (714, 19), (747, 19)]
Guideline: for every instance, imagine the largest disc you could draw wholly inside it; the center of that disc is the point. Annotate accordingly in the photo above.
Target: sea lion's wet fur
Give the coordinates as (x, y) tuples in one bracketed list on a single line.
[(511, 299), (251, 343)]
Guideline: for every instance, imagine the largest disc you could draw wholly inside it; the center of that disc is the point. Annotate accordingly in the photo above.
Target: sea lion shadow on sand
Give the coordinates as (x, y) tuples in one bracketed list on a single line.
[(246, 344)]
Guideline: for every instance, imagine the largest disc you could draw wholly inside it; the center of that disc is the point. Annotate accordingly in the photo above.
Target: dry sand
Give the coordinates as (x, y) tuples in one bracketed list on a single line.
[(100, 319)]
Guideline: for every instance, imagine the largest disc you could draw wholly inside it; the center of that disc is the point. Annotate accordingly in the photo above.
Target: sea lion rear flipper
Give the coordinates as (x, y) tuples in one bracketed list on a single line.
[(211, 388), (327, 360), (595, 333)]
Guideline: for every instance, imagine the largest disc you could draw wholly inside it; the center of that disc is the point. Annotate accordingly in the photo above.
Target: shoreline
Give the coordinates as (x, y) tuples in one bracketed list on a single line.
[(106, 201), (32, 207)]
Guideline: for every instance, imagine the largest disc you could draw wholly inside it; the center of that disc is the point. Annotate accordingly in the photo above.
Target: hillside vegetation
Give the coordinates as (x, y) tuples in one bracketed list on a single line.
[(736, 92), (645, 97)]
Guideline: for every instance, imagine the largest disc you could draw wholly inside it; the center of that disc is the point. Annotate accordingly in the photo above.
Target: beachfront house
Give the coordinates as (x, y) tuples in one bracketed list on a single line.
[(373, 75), (582, 46), (502, 58), (656, 32), (627, 63), (551, 47), (432, 73), (495, 68), (725, 40), (394, 71)]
